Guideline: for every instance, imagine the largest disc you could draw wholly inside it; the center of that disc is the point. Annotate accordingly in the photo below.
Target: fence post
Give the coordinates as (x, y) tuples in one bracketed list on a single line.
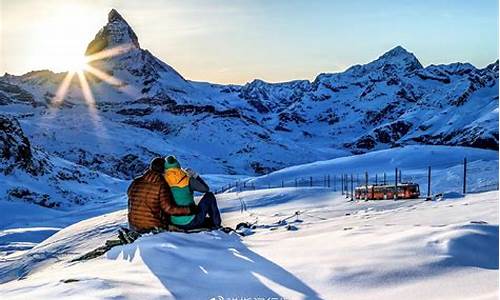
[(346, 186), (400, 176), (295, 182), (385, 182), (334, 182), (429, 182), (396, 184), (366, 185), (465, 175), (352, 187), (328, 181), (310, 181), (376, 179), (346, 182), (342, 184), (282, 183)]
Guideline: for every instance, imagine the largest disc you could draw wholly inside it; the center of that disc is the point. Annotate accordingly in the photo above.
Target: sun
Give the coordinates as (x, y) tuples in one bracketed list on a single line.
[(80, 66), (75, 63)]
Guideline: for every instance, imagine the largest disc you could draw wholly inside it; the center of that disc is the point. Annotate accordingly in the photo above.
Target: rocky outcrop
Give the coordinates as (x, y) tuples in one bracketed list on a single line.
[(116, 33), (10, 94), (16, 151), (388, 134), (116, 48)]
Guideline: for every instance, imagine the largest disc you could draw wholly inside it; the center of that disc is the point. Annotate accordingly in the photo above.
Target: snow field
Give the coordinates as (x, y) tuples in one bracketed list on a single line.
[(388, 249)]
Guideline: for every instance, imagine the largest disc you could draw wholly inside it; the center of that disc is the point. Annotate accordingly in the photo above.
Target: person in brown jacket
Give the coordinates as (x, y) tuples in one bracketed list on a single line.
[(150, 202)]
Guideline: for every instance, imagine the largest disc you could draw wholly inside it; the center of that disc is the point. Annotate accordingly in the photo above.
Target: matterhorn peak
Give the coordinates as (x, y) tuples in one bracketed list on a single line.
[(117, 32), (114, 16)]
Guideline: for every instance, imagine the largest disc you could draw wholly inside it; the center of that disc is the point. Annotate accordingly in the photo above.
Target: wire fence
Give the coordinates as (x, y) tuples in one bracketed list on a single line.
[(447, 177)]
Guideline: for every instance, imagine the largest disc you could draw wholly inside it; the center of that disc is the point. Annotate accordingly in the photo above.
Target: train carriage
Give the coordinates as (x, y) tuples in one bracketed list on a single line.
[(380, 192)]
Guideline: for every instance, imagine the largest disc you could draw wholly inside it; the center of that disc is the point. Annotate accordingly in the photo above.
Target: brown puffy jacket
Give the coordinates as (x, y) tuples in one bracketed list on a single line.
[(150, 203)]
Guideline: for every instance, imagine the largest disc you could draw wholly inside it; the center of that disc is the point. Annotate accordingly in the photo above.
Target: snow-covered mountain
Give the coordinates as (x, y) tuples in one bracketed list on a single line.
[(69, 143), (147, 108), (29, 174)]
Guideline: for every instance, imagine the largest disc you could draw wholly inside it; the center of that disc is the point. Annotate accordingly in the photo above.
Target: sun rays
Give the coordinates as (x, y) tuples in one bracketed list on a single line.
[(106, 53), (78, 82), (83, 66), (87, 94), (81, 69), (62, 90), (103, 76)]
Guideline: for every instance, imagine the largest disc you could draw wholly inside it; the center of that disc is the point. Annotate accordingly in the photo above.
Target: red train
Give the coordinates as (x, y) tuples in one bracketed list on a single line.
[(379, 192)]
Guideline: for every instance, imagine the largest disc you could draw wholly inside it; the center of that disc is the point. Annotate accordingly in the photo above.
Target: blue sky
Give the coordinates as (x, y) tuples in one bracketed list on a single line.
[(235, 41)]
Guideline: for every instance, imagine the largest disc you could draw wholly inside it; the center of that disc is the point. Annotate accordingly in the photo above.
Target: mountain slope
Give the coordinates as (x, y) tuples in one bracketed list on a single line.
[(412, 161), (30, 174), (147, 109)]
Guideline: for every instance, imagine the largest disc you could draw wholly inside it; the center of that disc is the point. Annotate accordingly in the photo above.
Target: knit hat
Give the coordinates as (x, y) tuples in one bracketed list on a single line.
[(157, 164), (171, 162)]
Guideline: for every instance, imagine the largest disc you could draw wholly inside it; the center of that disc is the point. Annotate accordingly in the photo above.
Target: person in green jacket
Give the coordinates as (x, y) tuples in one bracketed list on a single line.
[(183, 183)]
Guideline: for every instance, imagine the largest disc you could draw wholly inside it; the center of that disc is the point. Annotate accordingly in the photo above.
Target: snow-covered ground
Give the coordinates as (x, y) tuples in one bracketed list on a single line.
[(23, 225), (340, 250), (413, 161), (333, 249)]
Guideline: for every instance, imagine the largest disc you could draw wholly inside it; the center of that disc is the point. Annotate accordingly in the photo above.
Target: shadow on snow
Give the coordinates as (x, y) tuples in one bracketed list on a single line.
[(211, 265)]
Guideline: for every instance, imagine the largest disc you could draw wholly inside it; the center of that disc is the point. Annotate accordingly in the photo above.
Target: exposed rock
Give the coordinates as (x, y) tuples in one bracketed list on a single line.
[(24, 194), (153, 125), (116, 33), (135, 111), (130, 165), (259, 168), (16, 151), (10, 93)]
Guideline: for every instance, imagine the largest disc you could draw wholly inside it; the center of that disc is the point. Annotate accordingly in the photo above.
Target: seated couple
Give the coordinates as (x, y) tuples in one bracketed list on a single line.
[(163, 199)]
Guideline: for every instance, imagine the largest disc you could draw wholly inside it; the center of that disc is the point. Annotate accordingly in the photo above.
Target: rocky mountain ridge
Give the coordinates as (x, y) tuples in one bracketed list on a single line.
[(252, 128)]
